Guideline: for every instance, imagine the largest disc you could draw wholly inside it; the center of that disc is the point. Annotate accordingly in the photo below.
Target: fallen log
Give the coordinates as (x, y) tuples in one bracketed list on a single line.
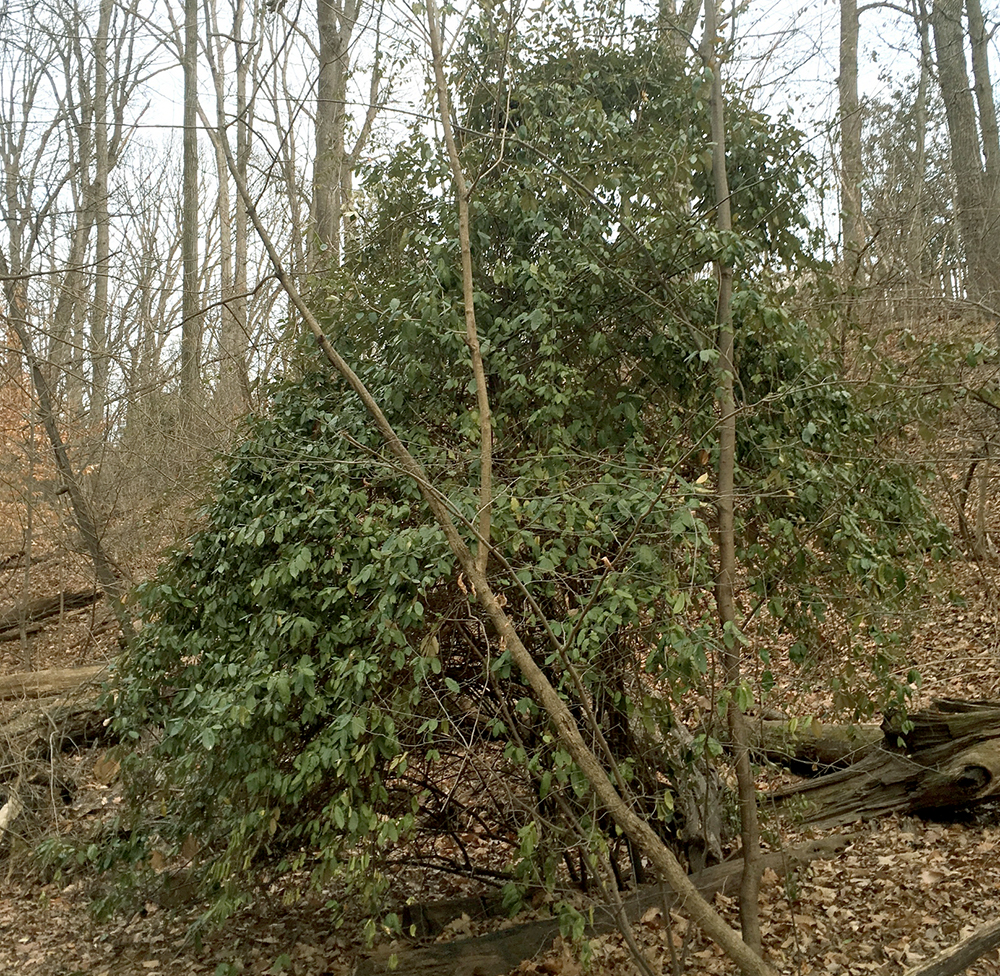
[(960, 956), (36, 735), (46, 607), (38, 684), (813, 747), (15, 634), (945, 756), (500, 952)]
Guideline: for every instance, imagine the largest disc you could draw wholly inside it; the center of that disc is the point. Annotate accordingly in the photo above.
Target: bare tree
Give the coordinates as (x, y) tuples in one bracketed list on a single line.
[(726, 505), (190, 230), (852, 225), (971, 144)]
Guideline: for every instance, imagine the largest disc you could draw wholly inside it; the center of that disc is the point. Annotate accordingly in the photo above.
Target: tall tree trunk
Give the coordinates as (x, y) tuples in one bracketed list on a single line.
[(990, 135), (726, 579), (335, 20), (190, 229), (102, 220), (851, 217), (232, 382), (966, 157), (916, 236), (240, 309)]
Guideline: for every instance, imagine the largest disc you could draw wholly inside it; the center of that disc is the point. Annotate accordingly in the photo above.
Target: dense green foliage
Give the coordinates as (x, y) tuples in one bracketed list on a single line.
[(311, 662)]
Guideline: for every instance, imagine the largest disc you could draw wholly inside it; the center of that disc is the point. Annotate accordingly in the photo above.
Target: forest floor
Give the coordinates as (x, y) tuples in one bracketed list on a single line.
[(903, 890)]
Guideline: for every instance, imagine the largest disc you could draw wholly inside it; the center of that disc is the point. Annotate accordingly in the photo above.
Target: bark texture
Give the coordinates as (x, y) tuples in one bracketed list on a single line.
[(950, 758)]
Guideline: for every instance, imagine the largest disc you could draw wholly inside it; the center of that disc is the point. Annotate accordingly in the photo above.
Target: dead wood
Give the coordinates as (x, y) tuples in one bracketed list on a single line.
[(37, 684), (500, 952), (959, 957), (15, 634), (949, 758), (814, 747), (36, 725), (52, 726), (46, 607)]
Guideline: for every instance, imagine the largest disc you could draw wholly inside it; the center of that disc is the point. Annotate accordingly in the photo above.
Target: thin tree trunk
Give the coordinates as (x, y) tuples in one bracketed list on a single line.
[(850, 143), (190, 229), (916, 238), (725, 581), (468, 295), (102, 220), (232, 328), (241, 334)]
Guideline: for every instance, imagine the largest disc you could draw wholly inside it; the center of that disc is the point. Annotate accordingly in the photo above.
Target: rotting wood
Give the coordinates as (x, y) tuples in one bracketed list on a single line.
[(949, 758), (38, 684), (960, 956), (37, 734), (46, 607), (500, 952), (15, 633), (812, 747)]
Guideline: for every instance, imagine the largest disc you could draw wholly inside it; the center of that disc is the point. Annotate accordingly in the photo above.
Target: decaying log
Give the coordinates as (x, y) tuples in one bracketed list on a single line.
[(35, 725), (812, 747), (38, 684), (38, 733), (959, 957), (44, 608), (499, 952), (949, 758)]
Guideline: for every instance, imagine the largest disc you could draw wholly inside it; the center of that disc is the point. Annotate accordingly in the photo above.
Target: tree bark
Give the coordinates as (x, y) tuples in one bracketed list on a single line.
[(232, 391), (989, 130), (190, 379), (916, 237), (851, 221), (980, 238), (813, 748), (38, 684), (725, 504), (335, 21), (950, 758), (102, 220)]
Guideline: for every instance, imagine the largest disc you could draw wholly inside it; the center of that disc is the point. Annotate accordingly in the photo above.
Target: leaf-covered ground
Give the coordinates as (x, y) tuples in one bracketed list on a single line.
[(902, 891)]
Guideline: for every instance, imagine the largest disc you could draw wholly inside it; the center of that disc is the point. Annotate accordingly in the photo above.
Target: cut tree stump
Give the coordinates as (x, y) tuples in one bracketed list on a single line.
[(500, 952), (949, 758)]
